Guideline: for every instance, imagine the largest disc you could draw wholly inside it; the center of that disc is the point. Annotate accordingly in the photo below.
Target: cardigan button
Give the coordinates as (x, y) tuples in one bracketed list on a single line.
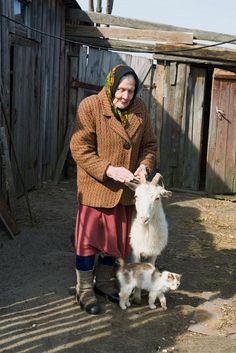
[(127, 145)]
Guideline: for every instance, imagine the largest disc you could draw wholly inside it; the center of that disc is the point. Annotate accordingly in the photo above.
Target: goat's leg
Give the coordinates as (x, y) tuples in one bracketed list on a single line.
[(135, 258), (136, 294), (151, 259)]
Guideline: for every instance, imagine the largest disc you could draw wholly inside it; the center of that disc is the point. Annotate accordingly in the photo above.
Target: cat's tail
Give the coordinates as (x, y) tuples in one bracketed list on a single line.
[(120, 262)]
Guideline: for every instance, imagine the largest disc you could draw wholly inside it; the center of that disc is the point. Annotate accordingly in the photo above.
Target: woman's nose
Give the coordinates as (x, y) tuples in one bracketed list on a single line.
[(125, 95)]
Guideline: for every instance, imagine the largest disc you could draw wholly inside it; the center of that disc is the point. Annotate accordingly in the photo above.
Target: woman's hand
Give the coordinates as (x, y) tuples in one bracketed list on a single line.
[(141, 171), (119, 174)]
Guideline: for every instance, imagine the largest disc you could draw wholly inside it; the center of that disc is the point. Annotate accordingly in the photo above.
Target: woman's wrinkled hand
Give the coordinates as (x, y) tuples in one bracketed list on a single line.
[(120, 174)]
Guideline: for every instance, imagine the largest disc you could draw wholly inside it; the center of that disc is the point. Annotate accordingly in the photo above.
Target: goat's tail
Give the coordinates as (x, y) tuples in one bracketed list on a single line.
[(120, 261)]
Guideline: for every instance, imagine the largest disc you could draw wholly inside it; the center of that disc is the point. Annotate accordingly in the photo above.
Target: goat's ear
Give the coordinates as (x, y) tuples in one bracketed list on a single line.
[(166, 193), (133, 186)]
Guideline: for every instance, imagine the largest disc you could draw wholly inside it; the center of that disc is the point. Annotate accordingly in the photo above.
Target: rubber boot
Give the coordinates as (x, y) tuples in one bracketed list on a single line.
[(85, 292), (105, 284)]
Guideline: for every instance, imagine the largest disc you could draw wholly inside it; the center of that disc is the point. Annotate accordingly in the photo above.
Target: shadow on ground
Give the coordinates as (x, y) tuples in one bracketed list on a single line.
[(38, 313)]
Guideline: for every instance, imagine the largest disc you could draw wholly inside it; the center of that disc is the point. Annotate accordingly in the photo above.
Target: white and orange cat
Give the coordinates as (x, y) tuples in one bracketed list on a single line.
[(144, 276)]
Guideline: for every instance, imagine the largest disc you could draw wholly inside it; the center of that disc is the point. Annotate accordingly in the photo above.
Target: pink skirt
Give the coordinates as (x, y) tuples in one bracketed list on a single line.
[(103, 230)]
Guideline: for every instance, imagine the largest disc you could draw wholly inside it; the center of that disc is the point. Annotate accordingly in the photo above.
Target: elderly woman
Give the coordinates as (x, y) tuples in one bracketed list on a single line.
[(113, 143)]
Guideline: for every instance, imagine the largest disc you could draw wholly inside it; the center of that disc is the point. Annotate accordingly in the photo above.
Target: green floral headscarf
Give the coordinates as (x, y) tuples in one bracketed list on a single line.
[(112, 81)]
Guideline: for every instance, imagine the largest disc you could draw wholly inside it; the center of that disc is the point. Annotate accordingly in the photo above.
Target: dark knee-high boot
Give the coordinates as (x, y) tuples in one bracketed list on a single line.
[(105, 283), (85, 292)]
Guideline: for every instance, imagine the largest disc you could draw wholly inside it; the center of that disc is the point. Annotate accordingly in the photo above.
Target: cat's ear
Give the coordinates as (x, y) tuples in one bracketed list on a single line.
[(178, 276), (170, 277)]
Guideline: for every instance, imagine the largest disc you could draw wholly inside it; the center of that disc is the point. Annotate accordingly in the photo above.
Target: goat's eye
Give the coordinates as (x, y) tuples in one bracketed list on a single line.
[(157, 198)]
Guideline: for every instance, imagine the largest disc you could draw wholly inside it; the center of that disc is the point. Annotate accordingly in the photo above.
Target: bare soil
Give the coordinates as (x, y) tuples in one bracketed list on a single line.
[(38, 312)]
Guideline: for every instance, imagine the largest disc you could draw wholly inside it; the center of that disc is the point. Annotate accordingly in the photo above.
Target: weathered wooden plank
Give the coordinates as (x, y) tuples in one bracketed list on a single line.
[(43, 97), (228, 75), (127, 33), (159, 81), (197, 51), (71, 117), (230, 157), (223, 55), (193, 134), (122, 45), (182, 59), (92, 17)]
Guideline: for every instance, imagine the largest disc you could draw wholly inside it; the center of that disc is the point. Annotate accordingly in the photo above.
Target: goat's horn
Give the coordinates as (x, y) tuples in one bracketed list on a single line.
[(142, 176), (158, 177)]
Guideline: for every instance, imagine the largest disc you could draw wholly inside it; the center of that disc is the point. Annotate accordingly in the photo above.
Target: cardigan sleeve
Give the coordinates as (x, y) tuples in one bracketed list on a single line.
[(84, 141)]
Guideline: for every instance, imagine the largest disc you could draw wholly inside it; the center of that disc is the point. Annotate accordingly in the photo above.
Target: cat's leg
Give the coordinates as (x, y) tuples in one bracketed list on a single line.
[(151, 299), (124, 296), (162, 299)]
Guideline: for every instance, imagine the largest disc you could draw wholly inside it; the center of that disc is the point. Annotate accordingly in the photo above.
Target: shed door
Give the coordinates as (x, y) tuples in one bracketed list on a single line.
[(182, 120), (24, 113), (221, 155)]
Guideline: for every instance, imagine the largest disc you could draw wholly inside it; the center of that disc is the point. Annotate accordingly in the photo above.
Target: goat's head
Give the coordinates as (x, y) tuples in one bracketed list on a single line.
[(148, 197)]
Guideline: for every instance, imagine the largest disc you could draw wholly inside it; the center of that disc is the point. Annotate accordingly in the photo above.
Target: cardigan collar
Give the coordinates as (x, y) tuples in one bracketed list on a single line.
[(134, 117)]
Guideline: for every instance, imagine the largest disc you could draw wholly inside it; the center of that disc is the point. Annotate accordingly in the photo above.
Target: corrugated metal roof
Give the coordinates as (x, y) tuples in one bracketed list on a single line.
[(72, 4)]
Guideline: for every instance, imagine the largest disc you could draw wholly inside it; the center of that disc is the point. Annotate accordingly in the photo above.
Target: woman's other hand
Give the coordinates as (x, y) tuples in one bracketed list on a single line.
[(120, 174)]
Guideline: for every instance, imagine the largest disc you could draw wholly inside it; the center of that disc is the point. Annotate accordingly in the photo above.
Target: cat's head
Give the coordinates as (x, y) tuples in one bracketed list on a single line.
[(172, 280)]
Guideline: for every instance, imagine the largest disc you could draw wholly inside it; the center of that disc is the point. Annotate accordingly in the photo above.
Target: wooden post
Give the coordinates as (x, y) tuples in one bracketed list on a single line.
[(7, 169), (8, 219), (74, 64), (5, 115)]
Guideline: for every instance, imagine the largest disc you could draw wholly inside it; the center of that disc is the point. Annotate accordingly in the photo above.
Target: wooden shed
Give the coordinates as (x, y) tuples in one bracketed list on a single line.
[(34, 87), (44, 76), (197, 109), (192, 94)]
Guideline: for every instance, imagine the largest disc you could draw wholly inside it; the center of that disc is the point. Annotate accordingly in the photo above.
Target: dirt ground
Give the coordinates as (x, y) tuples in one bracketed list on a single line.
[(38, 313)]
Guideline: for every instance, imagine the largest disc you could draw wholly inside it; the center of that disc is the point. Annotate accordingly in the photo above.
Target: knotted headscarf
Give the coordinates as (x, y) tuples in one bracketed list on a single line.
[(112, 82)]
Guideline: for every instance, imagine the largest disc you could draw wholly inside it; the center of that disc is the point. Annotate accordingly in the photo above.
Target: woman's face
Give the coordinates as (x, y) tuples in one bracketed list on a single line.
[(124, 92)]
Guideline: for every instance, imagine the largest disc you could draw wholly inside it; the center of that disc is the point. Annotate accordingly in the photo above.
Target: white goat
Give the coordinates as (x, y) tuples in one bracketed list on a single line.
[(149, 229)]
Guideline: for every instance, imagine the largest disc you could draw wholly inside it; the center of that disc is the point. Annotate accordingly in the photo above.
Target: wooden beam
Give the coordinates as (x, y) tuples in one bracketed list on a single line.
[(127, 33), (93, 17), (196, 51), (121, 45), (78, 84), (222, 55), (182, 59)]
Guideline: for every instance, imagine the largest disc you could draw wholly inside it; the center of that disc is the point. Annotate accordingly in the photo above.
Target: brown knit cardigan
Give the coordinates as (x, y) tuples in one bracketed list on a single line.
[(99, 140)]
